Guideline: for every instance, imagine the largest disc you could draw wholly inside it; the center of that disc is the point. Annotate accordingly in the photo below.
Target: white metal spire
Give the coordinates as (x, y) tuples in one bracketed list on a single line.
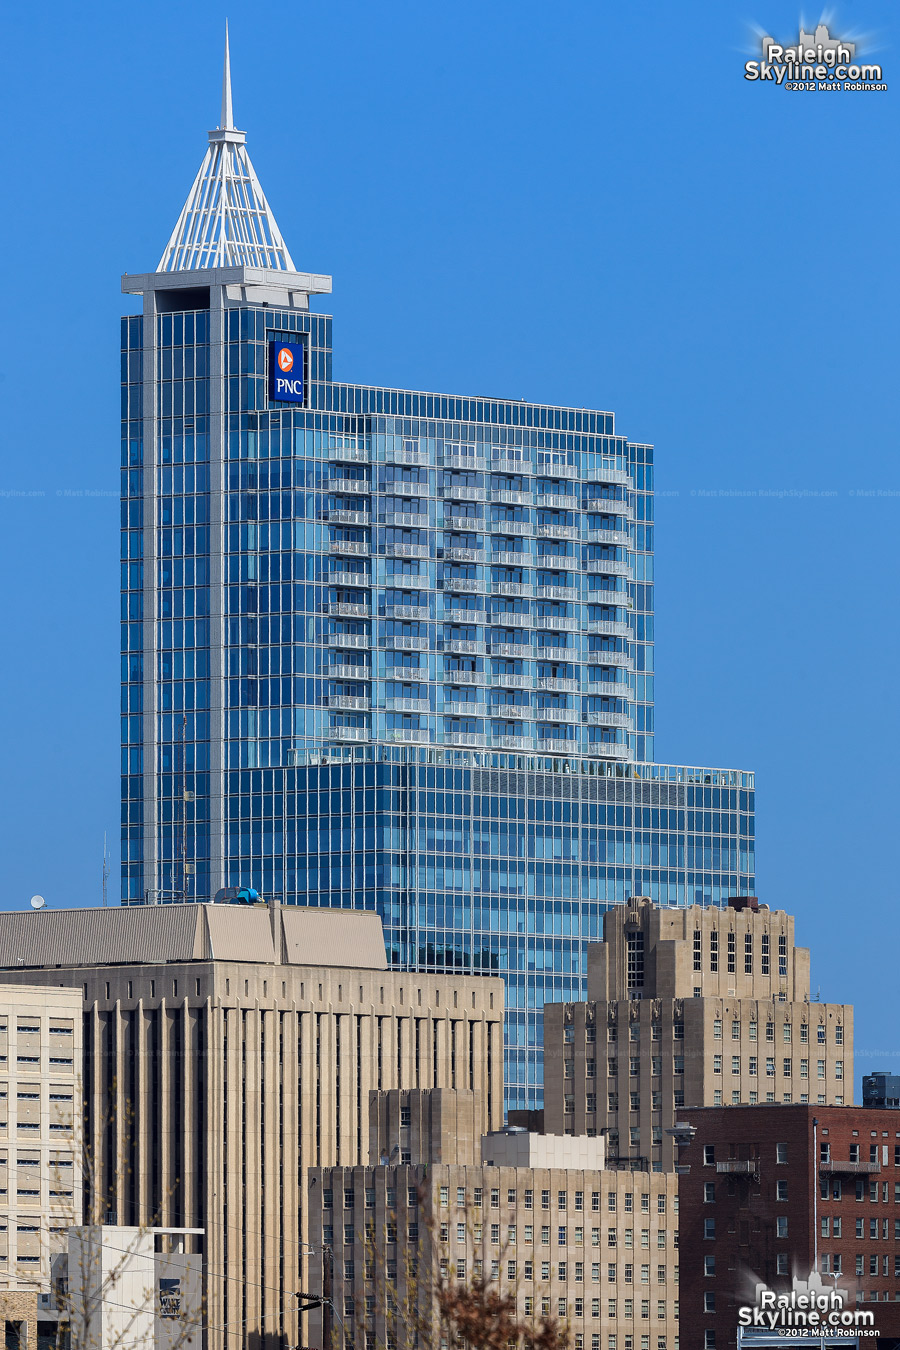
[(226, 220)]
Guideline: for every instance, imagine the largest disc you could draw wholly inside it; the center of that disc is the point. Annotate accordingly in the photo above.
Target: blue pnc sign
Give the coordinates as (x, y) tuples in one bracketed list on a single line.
[(286, 372)]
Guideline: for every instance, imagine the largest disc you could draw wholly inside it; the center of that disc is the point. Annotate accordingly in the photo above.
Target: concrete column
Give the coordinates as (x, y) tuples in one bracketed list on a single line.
[(217, 673), (149, 524)]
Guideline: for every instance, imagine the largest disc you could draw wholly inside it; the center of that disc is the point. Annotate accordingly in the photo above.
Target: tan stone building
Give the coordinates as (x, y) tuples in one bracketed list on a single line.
[(228, 1048), (596, 1248), (40, 1161), (690, 1007)]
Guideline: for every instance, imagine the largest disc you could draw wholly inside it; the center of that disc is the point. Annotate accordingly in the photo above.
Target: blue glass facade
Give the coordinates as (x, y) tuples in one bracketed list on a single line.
[(395, 650)]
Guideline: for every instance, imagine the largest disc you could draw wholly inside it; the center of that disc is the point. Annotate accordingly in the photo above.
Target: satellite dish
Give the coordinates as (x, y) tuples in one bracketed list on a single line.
[(38, 902)]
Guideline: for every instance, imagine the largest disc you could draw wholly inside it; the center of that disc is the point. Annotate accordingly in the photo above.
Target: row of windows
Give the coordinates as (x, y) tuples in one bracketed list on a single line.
[(632, 1202), (747, 946), (786, 1031)]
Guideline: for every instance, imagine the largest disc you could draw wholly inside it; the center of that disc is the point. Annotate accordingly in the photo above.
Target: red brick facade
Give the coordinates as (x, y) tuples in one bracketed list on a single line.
[(775, 1191)]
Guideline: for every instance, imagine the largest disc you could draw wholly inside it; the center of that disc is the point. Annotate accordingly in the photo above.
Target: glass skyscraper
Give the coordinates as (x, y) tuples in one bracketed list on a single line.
[(383, 648)]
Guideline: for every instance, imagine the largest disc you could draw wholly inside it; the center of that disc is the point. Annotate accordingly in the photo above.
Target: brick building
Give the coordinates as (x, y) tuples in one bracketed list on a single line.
[(775, 1192), (690, 1007)]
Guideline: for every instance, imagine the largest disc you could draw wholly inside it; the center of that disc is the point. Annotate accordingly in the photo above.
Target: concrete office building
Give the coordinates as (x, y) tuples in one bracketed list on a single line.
[(540, 1217), (387, 649), (775, 1193), (228, 1048), (693, 1007), (40, 1154)]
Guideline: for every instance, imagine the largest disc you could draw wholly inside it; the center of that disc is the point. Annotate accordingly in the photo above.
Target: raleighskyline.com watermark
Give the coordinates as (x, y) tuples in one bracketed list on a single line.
[(815, 62), (806, 1313)]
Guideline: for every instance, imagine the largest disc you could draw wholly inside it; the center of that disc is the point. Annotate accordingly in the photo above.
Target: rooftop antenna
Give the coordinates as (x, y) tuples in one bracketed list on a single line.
[(227, 122), (105, 873), (226, 220)]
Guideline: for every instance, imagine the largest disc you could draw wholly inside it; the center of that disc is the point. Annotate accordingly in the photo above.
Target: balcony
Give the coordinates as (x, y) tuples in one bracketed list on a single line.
[(559, 503), (519, 559), (469, 585), (359, 548), (510, 649), (609, 750), (406, 518), (348, 579), (349, 639), (401, 489), (348, 734), (406, 644), (464, 677), (556, 531), (558, 714), (416, 705), (557, 622), (557, 470), (339, 608), (353, 487), (620, 537), (348, 702), (510, 619), (463, 647), (409, 734), (610, 659), (510, 710), (512, 681), (603, 506), (609, 719), (338, 516), (344, 672), (450, 492), (512, 588), (467, 738), (454, 460), (739, 1167), (608, 567), (608, 476), (564, 686), (610, 627), (511, 498), (557, 592), (461, 707), (407, 454), (350, 453), (464, 554), (407, 612), (510, 526), (609, 688), (851, 1169), (514, 742), (407, 551)]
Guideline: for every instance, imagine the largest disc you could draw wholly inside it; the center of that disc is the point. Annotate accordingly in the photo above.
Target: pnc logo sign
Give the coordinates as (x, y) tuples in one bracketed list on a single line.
[(286, 372)]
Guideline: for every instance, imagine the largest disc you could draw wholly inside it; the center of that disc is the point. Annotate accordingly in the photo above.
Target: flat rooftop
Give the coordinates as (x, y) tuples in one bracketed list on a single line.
[(137, 935)]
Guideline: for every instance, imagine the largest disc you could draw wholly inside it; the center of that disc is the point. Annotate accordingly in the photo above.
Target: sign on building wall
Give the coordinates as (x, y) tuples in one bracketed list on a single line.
[(286, 383), (179, 1301)]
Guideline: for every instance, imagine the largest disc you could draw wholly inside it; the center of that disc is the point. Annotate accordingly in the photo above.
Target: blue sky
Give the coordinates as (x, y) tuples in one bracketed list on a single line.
[(579, 203)]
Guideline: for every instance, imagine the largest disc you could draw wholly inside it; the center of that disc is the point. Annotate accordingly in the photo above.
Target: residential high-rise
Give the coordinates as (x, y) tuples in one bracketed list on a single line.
[(692, 1007), (387, 649)]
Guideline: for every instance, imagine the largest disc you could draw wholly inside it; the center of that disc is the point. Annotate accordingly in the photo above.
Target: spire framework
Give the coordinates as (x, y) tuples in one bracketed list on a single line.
[(226, 220)]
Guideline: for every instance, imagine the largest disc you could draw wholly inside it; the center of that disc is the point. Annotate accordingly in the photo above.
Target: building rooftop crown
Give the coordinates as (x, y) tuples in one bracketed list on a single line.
[(226, 220)]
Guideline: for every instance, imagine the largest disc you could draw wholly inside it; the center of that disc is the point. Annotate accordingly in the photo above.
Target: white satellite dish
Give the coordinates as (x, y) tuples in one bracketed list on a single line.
[(38, 902)]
